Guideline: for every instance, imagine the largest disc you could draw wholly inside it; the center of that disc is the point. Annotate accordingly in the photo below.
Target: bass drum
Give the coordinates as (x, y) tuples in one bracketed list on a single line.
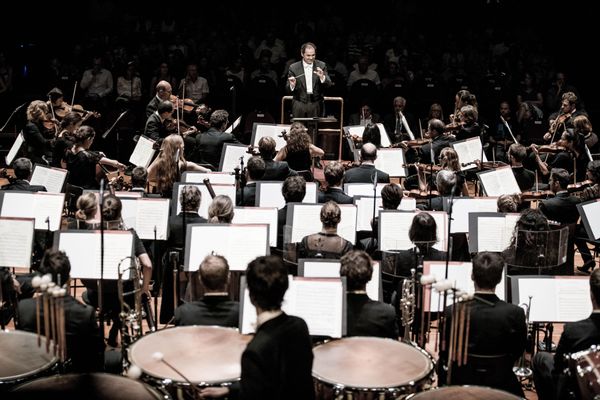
[(464, 393), (22, 359), (370, 368), (205, 355), (86, 386), (585, 367)]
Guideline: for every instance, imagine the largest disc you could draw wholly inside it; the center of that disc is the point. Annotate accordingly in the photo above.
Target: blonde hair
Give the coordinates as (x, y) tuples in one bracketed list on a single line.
[(87, 206), (451, 159), (220, 210), (37, 111), (166, 169)]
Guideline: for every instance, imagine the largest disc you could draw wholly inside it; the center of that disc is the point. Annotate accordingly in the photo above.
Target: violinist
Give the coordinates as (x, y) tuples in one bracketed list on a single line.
[(525, 178), (56, 103), (366, 172), (160, 124), (83, 164), (445, 182), (163, 93), (246, 195), (397, 122), (64, 141), (435, 129), (564, 118), (583, 128), (468, 126), (299, 150), (563, 151), (562, 207), (209, 144), (39, 133), (274, 170), (500, 137), (334, 176), (364, 117)]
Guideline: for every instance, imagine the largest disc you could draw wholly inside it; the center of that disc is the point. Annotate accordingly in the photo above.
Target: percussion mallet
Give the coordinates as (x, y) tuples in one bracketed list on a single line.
[(158, 356)]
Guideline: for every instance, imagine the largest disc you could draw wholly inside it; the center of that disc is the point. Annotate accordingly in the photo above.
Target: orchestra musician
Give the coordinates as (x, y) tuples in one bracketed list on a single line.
[(299, 150), (23, 168), (334, 176), (587, 193), (209, 144), (366, 172), (39, 133), (274, 170), (525, 178), (500, 136), (246, 195), (564, 118), (163, 93)]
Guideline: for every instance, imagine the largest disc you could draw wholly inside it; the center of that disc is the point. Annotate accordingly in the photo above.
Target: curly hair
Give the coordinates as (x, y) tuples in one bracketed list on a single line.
[(331, 214), (449, 159), (357, 267), (37, 111), (298, 138), (166, 168)]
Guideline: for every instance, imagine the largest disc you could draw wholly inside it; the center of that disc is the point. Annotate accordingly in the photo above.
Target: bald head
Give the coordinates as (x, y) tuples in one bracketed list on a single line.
[(164, 90), (368, 152)]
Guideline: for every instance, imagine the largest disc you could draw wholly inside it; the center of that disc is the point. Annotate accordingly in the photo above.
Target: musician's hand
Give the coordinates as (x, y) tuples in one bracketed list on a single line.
[(534, 148), (403, 144), (120, 166), (547, 136), (292, 81), (214, 392), (319, 72), (190, 131)]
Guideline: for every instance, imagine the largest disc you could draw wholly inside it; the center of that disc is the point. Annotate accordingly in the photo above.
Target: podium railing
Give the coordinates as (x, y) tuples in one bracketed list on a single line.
[(339, 130)]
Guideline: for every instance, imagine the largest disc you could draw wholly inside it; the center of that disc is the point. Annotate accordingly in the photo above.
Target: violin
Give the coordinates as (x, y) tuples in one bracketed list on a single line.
[(119, 182), (424, 167), (51, 125), (252, 151), (421, 194), (171, 125), (5, 177), (65, 108), (485, 164), (536, 195), (560, 120), (453, 127), (576, 187), (412, 144), (556, 147)]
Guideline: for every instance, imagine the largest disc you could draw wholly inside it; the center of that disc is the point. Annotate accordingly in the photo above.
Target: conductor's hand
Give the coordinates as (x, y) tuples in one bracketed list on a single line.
[(319, 72), (292, 81), (214, 392)]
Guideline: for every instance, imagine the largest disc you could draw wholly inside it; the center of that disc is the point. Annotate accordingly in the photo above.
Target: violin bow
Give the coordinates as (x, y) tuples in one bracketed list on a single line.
[(74, 90), (53, 115)]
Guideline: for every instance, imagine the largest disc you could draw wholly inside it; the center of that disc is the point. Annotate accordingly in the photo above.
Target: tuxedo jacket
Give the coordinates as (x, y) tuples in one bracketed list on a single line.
[(85, 346), (277, 363), (577, 336), (366, 317), (365, 173), (561, 208), (525, 178), (21, 184), (155, 128), (211, 310), (249, 198), (300, 91), (277, 171), (152, 106), (176, 227), (335, 194), (209, 146)]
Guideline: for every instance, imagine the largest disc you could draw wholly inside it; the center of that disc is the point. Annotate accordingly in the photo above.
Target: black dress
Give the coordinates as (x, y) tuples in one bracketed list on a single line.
[(82, 169)]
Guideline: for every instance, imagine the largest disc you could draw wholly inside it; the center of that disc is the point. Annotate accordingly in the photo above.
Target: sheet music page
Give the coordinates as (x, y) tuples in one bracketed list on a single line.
[(152, 213), (499, 181), (48, 205), (441, 221), (143, 152), (248, 324), (227, 190), (14, 149), (491, 234), (391, 162), (319, 302), (17, 204), (319, 268), (468, 151), (394, 230), (234, 125), (347, 226), (16, 242), (230, 158), (258, 215), (463, 207), (385, 138), (83, 249), (129, 213), (273, 130), (558, 299), (271, 196), (362, 189), (306, 220), (364, 211), (53, 179), (460, 274), (592, 211), (358, 130), (214, 177), (239, 244), (408, 204), (374, 284)]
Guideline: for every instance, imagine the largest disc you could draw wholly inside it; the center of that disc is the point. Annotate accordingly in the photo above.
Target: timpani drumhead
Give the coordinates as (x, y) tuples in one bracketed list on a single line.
[(20, 356), (204, 354), (85, 386), (464, 393), (370, 363)]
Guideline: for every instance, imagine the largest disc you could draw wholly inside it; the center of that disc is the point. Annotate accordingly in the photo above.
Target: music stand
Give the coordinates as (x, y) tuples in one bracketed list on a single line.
[(312, 124)]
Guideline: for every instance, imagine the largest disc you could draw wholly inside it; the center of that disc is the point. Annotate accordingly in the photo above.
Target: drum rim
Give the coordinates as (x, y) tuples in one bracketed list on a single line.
[(443, 388), (398, 388), (158, 394), (161, 380), (46, 366)]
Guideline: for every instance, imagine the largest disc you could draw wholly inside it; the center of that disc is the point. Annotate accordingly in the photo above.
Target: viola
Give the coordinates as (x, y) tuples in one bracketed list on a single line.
[(64, 108), (552, 148)]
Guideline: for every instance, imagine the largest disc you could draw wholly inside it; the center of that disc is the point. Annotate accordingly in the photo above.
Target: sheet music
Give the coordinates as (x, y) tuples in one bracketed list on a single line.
[(589, 212), (227, 190), (234, 125), (260, 130), (391, 162), (493, 231), (468, 151), (394, 226), (40, 206), (16, 241), (555, 299), (239, 244), (83, 249), (463, 207), (362, 189), (144, 214), (258, 215), (499, 181), (223, 178), (14, 149), (460, 274), (143, 152), (53, 179), (358, 130), (269, 194), (364, 210), (306, 220), (230, 157), (319, 268)]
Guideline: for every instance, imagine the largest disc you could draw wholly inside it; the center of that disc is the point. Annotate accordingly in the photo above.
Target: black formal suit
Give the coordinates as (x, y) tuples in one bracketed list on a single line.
[(39, 146), (525, 178), (436, 204), (152, 106), (438, 143), (366, 317), (281, 221), (155, 129), (176, 240), (335, 194), (304, 104), (550, 381), (249, 197), (277, 171), (365, 173), (209, 146), (211, 310), (22, 184), (85, 346), (498, 329), (561, 208), (277, 363)]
